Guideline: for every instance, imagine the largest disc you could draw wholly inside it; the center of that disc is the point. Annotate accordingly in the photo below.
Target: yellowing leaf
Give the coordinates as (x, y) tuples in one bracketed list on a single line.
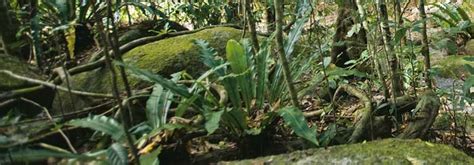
[(71, 40), (429, 144)]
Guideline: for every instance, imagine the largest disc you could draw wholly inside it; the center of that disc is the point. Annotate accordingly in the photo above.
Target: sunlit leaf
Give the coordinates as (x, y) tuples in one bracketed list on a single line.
[(71, 40)]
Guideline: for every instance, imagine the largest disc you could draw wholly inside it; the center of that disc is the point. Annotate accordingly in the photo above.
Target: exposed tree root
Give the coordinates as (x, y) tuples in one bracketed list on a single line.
[(423, 111), (362, 120), (422, 117)]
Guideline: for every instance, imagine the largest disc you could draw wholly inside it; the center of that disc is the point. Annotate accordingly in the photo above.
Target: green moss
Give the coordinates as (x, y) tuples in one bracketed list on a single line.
[(470, 47), (388, 151), (452, 66), (16, 66), (164, 57)]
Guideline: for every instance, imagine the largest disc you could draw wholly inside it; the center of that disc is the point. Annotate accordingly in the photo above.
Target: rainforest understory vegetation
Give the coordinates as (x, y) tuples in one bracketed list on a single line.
[(236, 82)]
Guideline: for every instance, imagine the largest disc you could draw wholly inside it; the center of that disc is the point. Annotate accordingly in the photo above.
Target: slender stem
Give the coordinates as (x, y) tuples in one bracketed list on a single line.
[(68, 142), (116, 94), (425, 51), (112, 39), (371, 48), (251, 26), (393, 60), (281, 51)]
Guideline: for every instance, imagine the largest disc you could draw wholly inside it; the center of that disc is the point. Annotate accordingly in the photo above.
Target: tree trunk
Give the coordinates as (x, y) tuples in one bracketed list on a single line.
[(425, 51), (393, 60), (281, 51), (350, 48), (251, 26)]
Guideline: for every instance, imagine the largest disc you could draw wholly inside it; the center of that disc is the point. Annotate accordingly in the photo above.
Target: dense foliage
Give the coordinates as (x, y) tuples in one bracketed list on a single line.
[(303, 74)]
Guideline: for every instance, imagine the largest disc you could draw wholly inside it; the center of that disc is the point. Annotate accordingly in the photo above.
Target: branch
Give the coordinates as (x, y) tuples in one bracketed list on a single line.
[(54, 86), (54, 123)]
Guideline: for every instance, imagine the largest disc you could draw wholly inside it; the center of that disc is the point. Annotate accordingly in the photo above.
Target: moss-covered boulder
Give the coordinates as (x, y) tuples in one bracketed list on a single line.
[(18, 67), (8, 84), (452, 66), (470, 47), (149, 28), (163, 57), (388, 151)]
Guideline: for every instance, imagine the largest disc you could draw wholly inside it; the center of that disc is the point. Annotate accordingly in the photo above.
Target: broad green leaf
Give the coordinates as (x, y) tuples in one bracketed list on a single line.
[(236, 57), (238, 60), (117, 154), (101, 123), (212, 120), (294, 118)]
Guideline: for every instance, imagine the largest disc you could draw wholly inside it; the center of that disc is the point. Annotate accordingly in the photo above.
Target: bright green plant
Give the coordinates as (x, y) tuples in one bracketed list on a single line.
[(454, 18)]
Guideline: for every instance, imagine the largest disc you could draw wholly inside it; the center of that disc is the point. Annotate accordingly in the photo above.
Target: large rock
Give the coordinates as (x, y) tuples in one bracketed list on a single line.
[(163, 57), (388, 151), (18, 67), (8, 84), (149, 28), (452, 66), (470, 47)]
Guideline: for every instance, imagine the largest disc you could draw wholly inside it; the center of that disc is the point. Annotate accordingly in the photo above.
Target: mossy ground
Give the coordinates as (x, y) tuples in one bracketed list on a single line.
[(470, 47), (387, 151), (452, 66)]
